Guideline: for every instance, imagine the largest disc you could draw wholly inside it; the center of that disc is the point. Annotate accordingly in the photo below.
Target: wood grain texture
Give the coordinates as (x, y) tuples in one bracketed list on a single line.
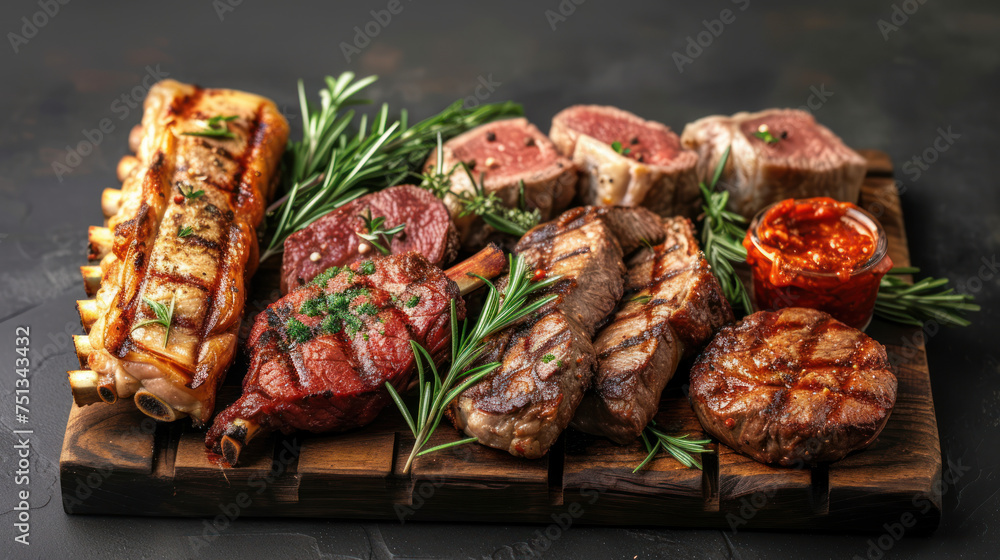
[(140, 468)]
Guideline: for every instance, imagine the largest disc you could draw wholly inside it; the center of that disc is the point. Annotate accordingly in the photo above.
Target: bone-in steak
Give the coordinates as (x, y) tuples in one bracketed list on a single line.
[(802, 158), (506, 152), (547, 361), (322, 353), (673, 305), (793, 386), (649, 167), (333, 241)]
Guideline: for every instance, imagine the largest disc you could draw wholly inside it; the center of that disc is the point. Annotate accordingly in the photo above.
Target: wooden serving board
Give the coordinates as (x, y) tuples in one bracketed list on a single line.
[(117, 461)]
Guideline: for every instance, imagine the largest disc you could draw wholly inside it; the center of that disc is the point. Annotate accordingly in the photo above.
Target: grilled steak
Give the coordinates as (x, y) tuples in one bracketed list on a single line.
[(181, 234), (649, 168), (804, 159), (547, 361), (793, 386), (508, 152), (322, 353), (673, 305), (334, 240)]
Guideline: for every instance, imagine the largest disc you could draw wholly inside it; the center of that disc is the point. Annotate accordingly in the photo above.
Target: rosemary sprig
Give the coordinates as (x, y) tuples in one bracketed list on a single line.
[(340, 158), (500, 310), (929, 298), (682, 448), (721, 238), (487, 205), (375, 234), (215, 127), (164, 316), (184, 231)]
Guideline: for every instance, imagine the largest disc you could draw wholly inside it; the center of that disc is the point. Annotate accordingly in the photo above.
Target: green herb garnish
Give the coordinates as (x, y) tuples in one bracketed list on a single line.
[(297, 330), (375, 234), (765, 134), (928, 299), (548, 358), (184, 231), (722, 239), (413, 301), (322, 278), (164, 316), (191, 194), (366, 268), (682, 448), (215, 127), (332, 324), (500, 310), (366, 309), (617, 146), (642, 299)]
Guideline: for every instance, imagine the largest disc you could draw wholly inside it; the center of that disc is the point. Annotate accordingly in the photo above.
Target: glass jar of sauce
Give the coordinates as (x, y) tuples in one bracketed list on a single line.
[(818, 253)]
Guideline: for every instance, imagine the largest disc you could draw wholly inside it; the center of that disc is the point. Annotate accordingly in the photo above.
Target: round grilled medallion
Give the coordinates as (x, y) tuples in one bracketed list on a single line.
[(793, 387)]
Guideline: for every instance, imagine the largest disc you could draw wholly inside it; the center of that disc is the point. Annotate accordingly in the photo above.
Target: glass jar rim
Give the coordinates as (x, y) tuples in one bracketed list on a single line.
[(856, 213)]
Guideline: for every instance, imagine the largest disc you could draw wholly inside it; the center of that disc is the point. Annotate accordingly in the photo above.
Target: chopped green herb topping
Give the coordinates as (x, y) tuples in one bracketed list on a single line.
[(297, 330), (366, 268), (332, 324), (184, 231), (617, 146), (559, 363), (313, 307), (548, 358), (353, 323), (413, 301), (325, 276), (366, 309)]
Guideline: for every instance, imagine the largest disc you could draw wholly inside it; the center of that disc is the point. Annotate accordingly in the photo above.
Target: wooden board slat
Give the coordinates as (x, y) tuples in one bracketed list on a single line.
[(123, 463)]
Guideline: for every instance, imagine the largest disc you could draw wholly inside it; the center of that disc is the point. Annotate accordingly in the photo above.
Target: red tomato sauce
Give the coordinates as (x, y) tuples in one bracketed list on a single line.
[(818, 253)]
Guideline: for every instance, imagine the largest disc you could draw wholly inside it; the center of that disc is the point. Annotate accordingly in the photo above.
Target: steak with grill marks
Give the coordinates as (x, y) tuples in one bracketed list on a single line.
[(801, 159), (322, 353), (673, 305), (547, 360), (793, 386), (626, 160), (333, 239)]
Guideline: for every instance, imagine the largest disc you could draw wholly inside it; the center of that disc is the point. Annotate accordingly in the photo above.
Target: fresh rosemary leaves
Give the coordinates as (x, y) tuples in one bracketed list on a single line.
[(928, 299), (164, 316), (765, 134), (376, 234), (722, 239), (500, 310), (617, 146), (215, 127), (340, 158), (682, 448)]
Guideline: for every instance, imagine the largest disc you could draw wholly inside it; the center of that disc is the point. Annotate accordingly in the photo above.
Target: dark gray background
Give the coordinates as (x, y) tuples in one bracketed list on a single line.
[(939, 69)]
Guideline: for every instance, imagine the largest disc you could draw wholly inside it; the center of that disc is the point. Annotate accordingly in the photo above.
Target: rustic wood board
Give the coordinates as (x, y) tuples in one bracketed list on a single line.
[(115, 461)]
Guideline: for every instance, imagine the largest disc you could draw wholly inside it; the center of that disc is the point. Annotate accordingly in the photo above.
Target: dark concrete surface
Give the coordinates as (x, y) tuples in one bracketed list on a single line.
[(937, 72)]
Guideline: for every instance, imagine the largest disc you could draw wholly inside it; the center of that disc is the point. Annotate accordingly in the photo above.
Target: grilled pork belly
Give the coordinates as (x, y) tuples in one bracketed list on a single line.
[(507, 152), (547, 360), (792, 387), (673, 305), (180, 233), (649, 168), (323, 353), (800, 159)]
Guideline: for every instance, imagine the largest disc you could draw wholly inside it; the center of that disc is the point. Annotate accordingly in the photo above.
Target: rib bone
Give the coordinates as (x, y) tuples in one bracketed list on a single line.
[(155, 407), (101, 242), (84, 386), (89, 312)]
